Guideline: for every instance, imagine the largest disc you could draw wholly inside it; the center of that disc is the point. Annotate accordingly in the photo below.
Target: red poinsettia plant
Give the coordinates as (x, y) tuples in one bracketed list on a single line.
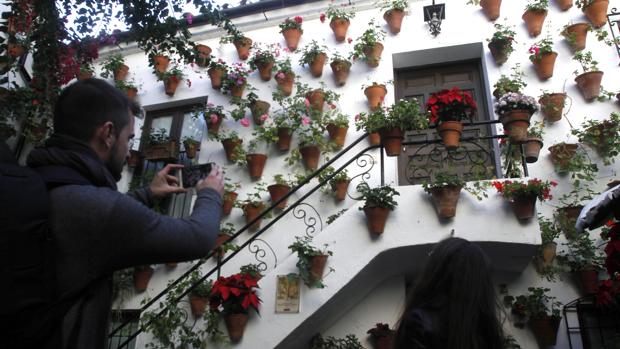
[(608, 293), (450, 105), (235, 294), (535, 187)]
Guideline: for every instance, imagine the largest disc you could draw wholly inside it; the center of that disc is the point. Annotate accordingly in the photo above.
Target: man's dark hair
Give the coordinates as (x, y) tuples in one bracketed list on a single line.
[(85, 105)]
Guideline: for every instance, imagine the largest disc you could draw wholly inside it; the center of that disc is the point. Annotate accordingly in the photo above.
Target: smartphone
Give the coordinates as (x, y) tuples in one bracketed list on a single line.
[(191, 175)]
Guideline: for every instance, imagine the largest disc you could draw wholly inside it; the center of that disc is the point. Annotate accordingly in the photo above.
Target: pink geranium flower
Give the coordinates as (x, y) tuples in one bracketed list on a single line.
[(305, 120), (307, 102), (264, 117), (322, 18), (214, 118), (280, 75), (245, 122)]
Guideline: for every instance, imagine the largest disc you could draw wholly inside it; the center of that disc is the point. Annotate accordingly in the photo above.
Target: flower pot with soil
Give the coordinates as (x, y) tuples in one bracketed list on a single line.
[(230, 144), (203, 55), (368, 46), (228, 200), (291, 30), (445, 191), (233, 296), (259, 108), (250, 212), (285, 135), (263, 60), (564, 5), (160, 63), (561, 155), (379, 202), (217, 70), (534, 17), (310, 155), (341, 69), (285, 77), (515, 111), (243, 45), (595, 11), (337, 134), (588, 82), (256, 164), (447, 108), (392, 139), (375, 94), (552, 105), (522, 195), (279, 189), (311, 261)]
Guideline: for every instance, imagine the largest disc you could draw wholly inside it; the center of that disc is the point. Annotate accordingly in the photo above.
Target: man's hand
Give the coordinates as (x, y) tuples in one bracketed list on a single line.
[(164, 184), (214, 180)]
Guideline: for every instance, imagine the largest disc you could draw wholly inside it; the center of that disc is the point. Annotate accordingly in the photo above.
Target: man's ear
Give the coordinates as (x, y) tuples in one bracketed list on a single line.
[(105, 134)]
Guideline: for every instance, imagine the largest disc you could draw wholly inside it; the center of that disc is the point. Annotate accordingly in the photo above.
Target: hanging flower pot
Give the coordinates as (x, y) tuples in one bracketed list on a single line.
[(256, 164), (450, 133), (170, 85), (561, 154), (134, 158), (317, 266), (596, 12), (229, 147), (376, 218), (374, 138), (515, 124), (340, 188), (277, 191), (534, 19), (285, 82), (544, 65), (310, 155), (251, 211), (284, 138), (499, 50), (197, 305), (392, 139), (316, 66), (141, 277), (160, 63), (547, 255), (589, 280), (446, 198), (375, 95), (524, 206), (243, 46), (576, 36), (339, 27), (292, 36), (373, 54), (227, 202), (213, 127), (235, 324), (532, 148), (552, 106), (341, 69), (590, 84), (316, 99), (337, 134), (394, 18), (121, 73), (216, 75), (545, 329), (191, 148), (567, 217), (258, 109), (264, 70), (564, 5), (131, 93), (237, 90), (203, 55), (491, 8)]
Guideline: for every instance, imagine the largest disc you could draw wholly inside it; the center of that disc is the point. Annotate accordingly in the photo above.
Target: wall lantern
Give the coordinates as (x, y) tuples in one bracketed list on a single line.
[(433, 15), (613, 19)]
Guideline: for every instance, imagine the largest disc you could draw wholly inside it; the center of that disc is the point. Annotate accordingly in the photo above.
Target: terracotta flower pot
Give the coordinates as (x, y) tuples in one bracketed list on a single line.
[(310, 156), (394, 19), (284, 138), (251, 212), (341, 70), (165, 151), (316, 66), (376, 218), (235, 324), (564, 4), (515, 124), (317, 266), (258, 109), (590, 84), (237, 90), (545, 329), (373, 54), (160, 63), (141, 277), (375, 94), (316, 99), (133, 158), (534, 20), (170, 85), (15, 50), (121, 73), (392, 139), (547, 255), (567, 217), (131, 93), (277, 191), (339, 27), (264, 70), (203, 55), (544, 66), (491, 8), (337, 134), (552, 106), (445, 199), (198, 304), (213, 127), (81, 76), (243, 48), (292, 36), (499, 50), (216, 76), (532, 148), (561, 154), (229, 147), (589, 281), (191, 148), (227, 202), (374, 138), (597, 13), (340, 188), (450, 133), (578, 34), (524, 206), (256, 164), (285, 84)]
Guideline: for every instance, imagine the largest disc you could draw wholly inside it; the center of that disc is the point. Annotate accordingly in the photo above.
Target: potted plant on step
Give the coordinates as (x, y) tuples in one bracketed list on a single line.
[(534, 142), (233, 296), (341, 68), (445, 190), (264, 60), (253, 206), (171, 78), (382, 336), (395, 11), (199, 294), (549, 231), (552, 105), (285, 76), (339, 182), (369, 47), (217, 70), (585, 260), (310, 261), (160, 147), (491, 8), (114, 66), (339, 20), (534, 16), (315, 56), (500, 44), (540, 310), (291, 30), (515, 111), (379, 202), (603, 136), (522, 195), (447, 108), (543, 57), (589, 80), (595, 10)]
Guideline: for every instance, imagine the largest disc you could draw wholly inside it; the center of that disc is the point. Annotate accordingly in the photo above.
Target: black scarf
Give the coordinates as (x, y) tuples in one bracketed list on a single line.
[(67, 160)]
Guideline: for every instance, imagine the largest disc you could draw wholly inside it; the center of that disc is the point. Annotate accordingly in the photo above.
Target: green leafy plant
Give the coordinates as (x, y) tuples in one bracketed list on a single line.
[(504, 34), (536, 130), (511, 189), (538, 49), (604, 136), (537, 5), (402, 5), (382, 196), (339, 12), (111, 64), (350, 341), (263, 55), (445, 179), (158, 137), (582, 4), (254, 197), (582, 255), (535, 304), (126, 85), (253, 270), (310, 52), (173, 73), (371, 36), (305, 252), (513, 83), (585, 60), (578, 165), (200, 288), (236, 76), (294, 23)]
